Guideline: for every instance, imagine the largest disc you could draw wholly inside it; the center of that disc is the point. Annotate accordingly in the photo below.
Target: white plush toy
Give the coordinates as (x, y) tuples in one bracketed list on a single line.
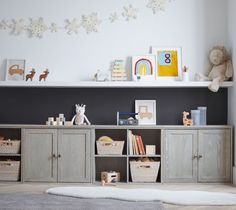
[(80, 117), (221, 68)]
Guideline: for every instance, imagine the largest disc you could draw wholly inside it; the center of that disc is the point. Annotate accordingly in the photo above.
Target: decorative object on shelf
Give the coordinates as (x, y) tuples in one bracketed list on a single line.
[(15, 70), (107, 146), (221, 68), (18, 26), (102, 76), (113, 17), (109, 178), (50, 121), (168, 62), (146, 110), (130, 12), (144, 170), (203, 115), (143, 68), (80, 117), (186, 120), (150, 150), (195, 115), (129, 121), (44, 75), (185, 74), (118, 72), (72, 26), (31, 75)]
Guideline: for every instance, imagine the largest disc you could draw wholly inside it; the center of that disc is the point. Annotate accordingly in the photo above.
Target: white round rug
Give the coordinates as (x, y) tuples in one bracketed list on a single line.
[(166, 196)]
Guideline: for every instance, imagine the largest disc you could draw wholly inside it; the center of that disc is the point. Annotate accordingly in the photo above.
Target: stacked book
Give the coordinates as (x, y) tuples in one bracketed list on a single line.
[(118, 72), (136, 146)]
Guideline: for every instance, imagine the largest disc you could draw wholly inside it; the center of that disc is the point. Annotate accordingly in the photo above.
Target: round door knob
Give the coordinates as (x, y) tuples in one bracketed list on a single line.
[(200, 156), (195, 156), (59, 156), (54, 156)]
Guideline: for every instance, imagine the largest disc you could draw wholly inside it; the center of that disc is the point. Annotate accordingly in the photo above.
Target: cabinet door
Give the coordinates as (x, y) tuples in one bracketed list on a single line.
[(39, 146), (215, 155), (74, 158), (180, 147)]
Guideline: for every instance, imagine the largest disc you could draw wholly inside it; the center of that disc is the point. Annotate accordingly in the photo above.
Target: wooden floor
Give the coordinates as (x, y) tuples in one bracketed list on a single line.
[(39, 188)]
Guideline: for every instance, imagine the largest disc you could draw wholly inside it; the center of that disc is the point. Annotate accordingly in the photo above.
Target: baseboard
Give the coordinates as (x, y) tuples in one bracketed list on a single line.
[(234, 176)]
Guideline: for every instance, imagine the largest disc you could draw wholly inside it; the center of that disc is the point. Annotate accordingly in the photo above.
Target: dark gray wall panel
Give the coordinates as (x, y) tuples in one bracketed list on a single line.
[(34, 105)]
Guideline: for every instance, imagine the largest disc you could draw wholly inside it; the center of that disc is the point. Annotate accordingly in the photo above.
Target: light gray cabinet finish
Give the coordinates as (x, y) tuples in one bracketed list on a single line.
[(74, 162), (39, 146), (215, 151), (197, 155), (180, 146)]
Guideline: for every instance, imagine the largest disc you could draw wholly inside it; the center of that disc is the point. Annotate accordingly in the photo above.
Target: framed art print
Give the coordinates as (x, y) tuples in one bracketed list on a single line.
[(15, 70), (143, 67), (168, 62), (146, 110)]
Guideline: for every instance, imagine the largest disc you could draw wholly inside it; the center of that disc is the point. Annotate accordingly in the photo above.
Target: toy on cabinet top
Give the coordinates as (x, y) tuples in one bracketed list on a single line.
[(186, 121), (101, 76), (80, 118), (221, 68), (31, 75), (44, 75)]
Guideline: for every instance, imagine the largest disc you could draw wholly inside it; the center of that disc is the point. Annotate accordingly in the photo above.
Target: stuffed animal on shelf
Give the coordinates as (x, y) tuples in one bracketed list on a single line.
[(80, 118), (221, 68), (186, 121), (31, 75)]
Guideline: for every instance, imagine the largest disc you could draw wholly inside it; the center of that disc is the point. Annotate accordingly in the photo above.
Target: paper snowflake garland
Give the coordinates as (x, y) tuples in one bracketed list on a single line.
[(17, 26), (72, 26), (157, 5), (37, 28), (54, 28), (113, 17), (3, 25), (130, 12), (91, 22)]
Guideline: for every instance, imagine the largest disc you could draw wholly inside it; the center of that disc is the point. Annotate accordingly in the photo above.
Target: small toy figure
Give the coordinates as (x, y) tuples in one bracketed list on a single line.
[(44, 75), (186, 121), (80, 117), (31, 75)]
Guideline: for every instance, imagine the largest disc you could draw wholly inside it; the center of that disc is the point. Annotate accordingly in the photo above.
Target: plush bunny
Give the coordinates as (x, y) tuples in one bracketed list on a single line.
[(80, 117), (221, 68)]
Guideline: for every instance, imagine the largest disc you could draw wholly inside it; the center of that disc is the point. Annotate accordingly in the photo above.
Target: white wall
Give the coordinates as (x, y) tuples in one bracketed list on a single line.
[(232, 43), (196, 25)]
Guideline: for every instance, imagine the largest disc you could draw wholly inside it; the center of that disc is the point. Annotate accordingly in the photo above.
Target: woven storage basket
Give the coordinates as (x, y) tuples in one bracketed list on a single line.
[(9, 170), (110, 148), (144, 171), (9, 147)]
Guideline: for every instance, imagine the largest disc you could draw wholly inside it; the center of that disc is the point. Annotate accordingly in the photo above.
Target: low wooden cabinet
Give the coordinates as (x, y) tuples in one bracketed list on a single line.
[(53, 155), (197, 155)]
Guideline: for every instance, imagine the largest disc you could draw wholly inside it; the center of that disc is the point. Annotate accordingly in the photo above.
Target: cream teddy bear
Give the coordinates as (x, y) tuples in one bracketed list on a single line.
[(221, 68)]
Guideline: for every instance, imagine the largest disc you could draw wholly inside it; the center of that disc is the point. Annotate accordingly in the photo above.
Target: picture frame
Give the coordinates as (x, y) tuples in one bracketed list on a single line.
[(168, 62), (147, 111), (15, 70), (143, 67)]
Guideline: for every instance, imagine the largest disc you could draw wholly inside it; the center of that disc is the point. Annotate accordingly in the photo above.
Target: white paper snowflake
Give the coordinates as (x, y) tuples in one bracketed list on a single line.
[(72, 26), (91, 22), (37, 28), (113, 17), (3, 25), (18, 26), (157, 5), (130, 12), (54, 28)]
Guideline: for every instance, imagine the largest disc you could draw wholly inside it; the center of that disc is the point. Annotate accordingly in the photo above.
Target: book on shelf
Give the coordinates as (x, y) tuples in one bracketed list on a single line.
[(136, 146)]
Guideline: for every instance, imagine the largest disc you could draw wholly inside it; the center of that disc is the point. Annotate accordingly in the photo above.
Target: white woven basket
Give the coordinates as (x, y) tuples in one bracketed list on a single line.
[(110, 148), (144, 171), (9, 147), (9, 170)]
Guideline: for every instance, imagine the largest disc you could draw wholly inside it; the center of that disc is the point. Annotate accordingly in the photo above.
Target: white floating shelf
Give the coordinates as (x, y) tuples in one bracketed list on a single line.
[(125, 84)]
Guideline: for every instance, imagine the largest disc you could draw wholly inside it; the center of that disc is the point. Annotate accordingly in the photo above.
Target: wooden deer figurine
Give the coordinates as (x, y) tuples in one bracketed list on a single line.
[(31, 75), (186, 121), (44, 75)]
